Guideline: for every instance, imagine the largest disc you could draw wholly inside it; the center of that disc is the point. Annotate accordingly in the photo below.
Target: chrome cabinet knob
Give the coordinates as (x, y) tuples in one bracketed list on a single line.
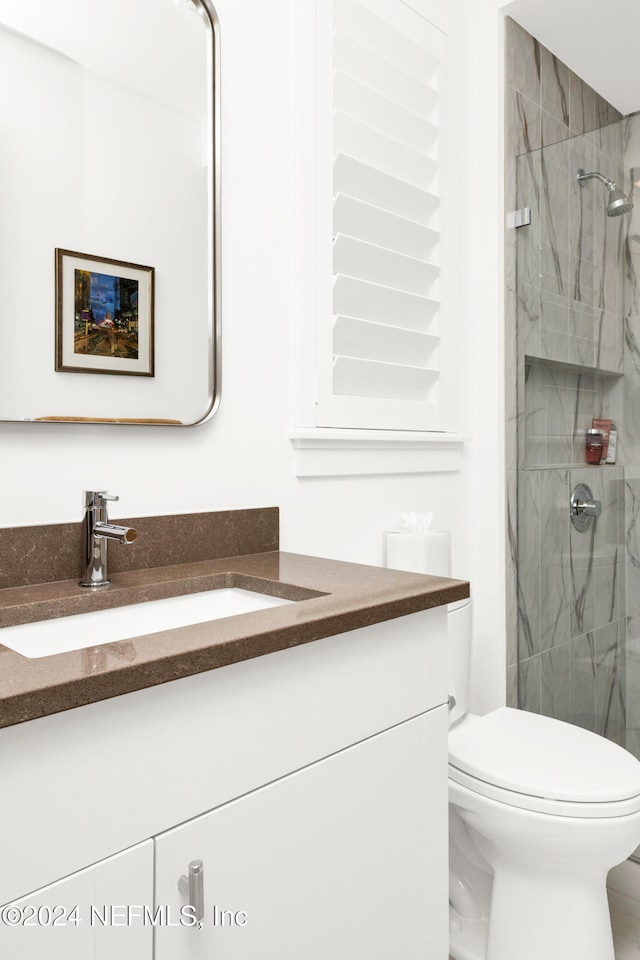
[(191, 885)]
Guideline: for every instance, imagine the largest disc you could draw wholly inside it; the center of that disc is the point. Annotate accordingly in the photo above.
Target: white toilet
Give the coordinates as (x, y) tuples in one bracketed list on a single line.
[(540, 810)]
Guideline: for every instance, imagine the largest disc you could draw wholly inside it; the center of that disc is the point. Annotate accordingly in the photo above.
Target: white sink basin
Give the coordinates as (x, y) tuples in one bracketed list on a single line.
[(63, 634)]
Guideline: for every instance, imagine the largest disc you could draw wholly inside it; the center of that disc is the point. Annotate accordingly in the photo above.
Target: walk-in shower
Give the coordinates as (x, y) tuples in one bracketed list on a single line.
[(571, 290), (573, 350), (618, 203)]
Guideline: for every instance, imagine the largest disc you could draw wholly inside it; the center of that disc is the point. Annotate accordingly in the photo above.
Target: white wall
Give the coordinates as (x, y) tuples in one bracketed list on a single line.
[(243, 457), (477, 151), (599, 50), (485, 236)]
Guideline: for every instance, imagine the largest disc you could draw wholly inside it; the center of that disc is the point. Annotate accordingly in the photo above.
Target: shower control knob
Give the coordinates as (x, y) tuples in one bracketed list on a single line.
[(589, 509), (583, 507)]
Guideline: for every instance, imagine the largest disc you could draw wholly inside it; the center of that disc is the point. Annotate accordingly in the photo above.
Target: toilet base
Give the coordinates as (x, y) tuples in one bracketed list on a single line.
[(468, 941), (532, 919), (576, 924), (548, 898)]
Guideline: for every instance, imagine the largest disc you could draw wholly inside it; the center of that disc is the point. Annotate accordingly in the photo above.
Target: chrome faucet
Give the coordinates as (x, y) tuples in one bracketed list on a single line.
[(96, 532)]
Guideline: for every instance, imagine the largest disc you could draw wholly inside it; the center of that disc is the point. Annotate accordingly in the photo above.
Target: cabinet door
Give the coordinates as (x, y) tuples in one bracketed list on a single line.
[(345, 858), (90, 915)]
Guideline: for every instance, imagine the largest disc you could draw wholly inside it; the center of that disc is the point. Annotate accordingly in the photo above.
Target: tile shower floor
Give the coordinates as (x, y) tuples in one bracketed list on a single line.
[(623, 888)]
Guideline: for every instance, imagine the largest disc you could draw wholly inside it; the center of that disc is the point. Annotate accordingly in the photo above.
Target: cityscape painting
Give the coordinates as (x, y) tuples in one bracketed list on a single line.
[(104, 316)]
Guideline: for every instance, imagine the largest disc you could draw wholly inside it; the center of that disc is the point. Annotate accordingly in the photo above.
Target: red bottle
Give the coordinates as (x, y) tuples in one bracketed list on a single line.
[(593, 446)]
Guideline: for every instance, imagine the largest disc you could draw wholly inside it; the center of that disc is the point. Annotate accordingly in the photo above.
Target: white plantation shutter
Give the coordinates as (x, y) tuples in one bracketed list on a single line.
[(379, 356)]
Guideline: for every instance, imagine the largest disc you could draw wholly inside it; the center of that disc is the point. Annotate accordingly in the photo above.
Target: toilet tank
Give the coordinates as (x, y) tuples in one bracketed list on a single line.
[(459, 656)]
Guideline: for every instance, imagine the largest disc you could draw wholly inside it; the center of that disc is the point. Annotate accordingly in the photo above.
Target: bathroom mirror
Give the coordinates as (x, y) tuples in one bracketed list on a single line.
[(109, 226)]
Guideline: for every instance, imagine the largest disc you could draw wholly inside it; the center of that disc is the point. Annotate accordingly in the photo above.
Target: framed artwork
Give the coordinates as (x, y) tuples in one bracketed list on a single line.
[(104, 315)]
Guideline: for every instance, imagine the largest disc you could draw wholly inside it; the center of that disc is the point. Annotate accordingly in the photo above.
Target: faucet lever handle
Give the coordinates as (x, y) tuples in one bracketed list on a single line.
[(94, 498)]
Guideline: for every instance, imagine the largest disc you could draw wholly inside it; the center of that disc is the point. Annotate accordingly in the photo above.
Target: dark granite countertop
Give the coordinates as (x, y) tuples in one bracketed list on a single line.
[(334, 597)]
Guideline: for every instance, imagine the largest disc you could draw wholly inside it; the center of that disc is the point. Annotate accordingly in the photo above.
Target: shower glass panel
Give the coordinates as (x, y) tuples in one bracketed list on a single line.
[(572, 286)]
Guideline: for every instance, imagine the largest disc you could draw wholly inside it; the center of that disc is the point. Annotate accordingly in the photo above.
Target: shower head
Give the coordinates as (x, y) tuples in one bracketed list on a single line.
[(618, 202)]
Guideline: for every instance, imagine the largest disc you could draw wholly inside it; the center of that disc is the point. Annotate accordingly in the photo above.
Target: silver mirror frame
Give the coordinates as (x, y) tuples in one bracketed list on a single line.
[(212, 25)]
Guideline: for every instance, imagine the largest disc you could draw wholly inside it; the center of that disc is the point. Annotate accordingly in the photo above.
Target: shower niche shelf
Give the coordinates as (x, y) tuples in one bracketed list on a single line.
[(559, 403), (575, 368)]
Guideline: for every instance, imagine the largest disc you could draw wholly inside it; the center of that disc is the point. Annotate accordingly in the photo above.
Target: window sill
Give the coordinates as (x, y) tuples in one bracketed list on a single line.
[(346, 453)]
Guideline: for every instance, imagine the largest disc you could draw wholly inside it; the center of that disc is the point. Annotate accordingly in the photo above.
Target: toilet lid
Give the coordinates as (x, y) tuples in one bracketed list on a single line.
[(541, 757)]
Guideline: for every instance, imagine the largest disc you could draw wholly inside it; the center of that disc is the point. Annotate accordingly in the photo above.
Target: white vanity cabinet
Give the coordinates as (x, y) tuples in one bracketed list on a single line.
[(310, 782), (342, 859), (86, 916)]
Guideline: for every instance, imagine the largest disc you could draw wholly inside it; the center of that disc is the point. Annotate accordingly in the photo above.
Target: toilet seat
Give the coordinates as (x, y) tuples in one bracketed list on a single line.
[(540, 764)]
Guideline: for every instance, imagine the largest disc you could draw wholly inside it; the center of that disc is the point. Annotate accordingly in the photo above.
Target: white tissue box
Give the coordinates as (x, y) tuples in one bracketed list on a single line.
[(428, 552)]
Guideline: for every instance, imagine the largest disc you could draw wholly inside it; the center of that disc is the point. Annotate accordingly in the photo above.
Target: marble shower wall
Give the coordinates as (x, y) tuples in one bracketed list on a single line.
[(568, 277), (632, 542), (626, 402), (565, 356), (626, 395), (571, 601)]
